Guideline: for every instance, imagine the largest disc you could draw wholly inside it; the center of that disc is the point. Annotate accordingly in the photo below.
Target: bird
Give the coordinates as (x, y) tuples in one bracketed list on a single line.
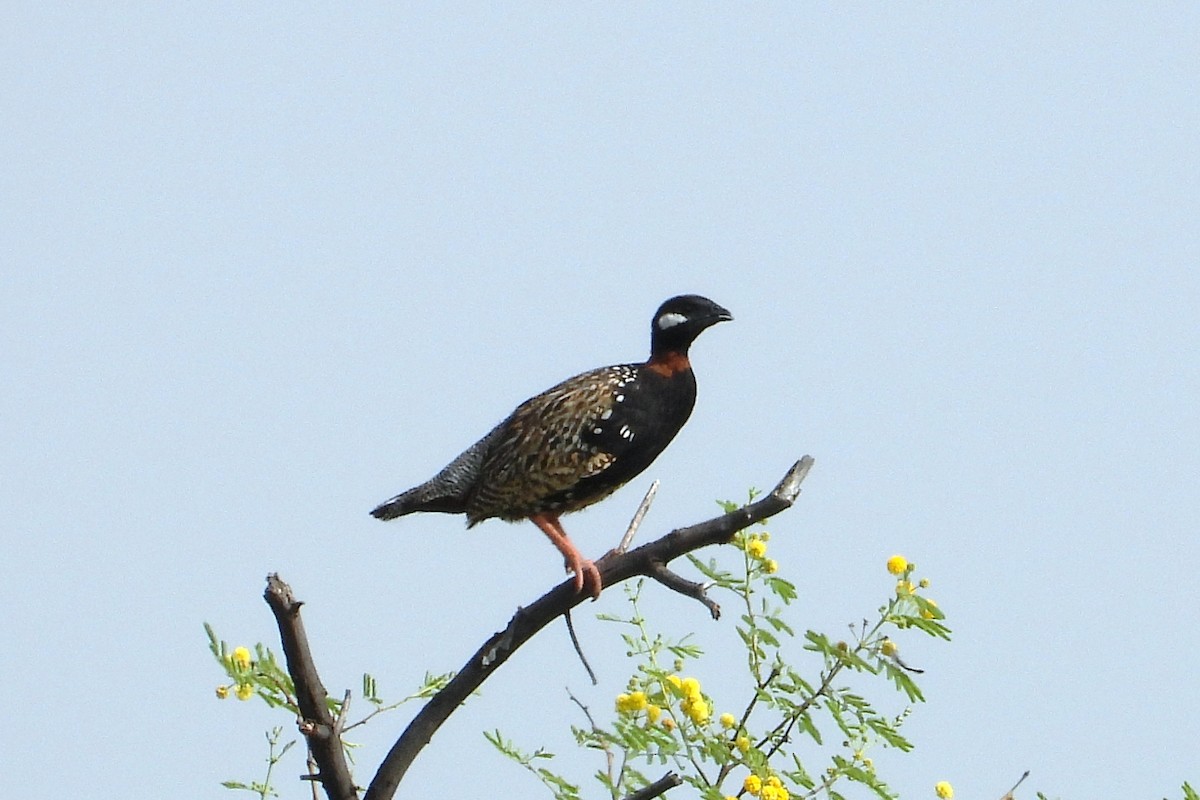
[(575, 443)]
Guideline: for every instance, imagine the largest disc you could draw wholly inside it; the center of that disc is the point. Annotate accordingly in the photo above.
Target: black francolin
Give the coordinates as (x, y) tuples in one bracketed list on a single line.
[(577, 442)]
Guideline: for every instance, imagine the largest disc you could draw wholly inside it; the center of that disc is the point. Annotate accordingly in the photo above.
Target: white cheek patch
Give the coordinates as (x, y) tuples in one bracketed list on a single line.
[(670, 320)]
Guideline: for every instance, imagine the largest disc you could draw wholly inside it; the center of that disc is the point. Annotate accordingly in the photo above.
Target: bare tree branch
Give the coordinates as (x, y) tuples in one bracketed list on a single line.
[(317, 723), (614, 568), (323, 731), (656, 789), (678, 583)]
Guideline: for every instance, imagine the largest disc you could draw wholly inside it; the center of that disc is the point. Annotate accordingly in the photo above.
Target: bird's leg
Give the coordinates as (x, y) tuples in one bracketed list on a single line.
[(585, 571)]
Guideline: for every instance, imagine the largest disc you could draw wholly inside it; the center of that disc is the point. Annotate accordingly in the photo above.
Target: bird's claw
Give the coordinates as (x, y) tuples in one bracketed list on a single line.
[(586, 575)]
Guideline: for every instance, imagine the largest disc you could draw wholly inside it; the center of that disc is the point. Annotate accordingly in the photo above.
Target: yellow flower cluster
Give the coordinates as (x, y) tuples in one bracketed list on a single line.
[(694, 705), (756, 547), (770, 789), (240, 657), (899, 565), (944, 790), (242, 691), (241, 662), (632, 703)]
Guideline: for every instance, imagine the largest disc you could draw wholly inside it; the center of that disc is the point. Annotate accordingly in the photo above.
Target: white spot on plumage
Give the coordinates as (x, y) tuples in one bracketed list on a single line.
[(607, 413), (670, 320)]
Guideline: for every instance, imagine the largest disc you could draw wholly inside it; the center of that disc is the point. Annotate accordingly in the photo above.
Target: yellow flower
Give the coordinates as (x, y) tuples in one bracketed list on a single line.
[(675, 681), (775, 793), (889, 648), (897, 565), (742, 743), (244, 691), (925, 612), (631, 703), (653, 712), (752, 785), (727, 720), (757, 548), (771, 566), (697, 710), (241, 658), (222, 692), (904, 587), (944, 790), (773, 781), (690, 687)]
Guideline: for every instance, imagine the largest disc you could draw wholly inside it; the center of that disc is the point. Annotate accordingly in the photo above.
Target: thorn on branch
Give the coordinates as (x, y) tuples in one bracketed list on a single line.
[(677, 583), (638, 516), (1010, 793)]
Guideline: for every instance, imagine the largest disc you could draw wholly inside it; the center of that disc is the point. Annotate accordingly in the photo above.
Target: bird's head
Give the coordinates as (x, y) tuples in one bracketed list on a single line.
[(680, 320)]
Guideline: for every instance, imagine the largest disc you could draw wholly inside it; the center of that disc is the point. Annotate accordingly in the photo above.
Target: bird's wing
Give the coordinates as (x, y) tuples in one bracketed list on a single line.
[(551, 443)]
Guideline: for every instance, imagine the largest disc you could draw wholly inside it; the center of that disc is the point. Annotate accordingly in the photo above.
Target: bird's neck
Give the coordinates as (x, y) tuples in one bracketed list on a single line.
[(669, 363)]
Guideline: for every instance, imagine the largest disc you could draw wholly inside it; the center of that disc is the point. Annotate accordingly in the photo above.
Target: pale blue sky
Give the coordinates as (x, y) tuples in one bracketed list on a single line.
[(265, 267)]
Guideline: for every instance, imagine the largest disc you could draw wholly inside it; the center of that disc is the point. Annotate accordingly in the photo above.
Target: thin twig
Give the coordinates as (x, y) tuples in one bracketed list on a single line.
[(638, 516), (1009, 794), (608, 754), (741, 726), (579, 649), (340, 724)]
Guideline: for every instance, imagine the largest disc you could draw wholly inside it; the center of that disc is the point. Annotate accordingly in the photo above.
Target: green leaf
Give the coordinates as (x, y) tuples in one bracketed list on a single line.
[(808, 726), (784, 589)]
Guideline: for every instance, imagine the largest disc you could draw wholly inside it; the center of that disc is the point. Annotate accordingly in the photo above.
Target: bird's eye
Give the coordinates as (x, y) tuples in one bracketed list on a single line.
[(670, 320)]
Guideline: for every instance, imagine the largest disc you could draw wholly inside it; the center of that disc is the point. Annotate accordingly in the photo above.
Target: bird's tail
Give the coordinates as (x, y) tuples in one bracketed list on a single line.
[(398, 506), (448, 491)]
